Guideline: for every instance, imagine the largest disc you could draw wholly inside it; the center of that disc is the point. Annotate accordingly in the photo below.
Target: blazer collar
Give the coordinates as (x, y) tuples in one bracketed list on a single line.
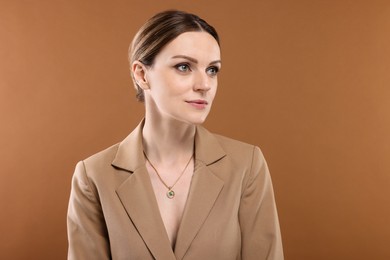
[(138, 198), (130, 152)]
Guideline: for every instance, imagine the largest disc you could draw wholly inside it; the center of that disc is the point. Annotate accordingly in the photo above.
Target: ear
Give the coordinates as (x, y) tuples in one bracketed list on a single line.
[(139, 73)]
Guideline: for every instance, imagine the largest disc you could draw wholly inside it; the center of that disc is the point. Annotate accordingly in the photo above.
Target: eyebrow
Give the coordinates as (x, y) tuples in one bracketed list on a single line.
[(192, 59)]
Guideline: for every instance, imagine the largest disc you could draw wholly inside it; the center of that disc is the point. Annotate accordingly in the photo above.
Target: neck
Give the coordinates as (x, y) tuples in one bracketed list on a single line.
[(168, 141)]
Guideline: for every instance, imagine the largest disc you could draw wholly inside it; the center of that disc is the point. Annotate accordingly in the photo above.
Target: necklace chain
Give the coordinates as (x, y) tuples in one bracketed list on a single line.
[(170, 193)]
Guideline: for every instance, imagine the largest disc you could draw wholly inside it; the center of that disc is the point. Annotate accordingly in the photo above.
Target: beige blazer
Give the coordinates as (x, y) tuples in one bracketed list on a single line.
[(230, 211)]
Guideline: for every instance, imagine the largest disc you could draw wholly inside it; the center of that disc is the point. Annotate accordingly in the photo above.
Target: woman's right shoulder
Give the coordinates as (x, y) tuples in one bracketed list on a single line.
[(100, 162), (106, 155)]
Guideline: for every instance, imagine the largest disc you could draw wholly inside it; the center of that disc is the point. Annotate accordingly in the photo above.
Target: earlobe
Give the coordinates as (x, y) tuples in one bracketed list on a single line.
[(139, 74)]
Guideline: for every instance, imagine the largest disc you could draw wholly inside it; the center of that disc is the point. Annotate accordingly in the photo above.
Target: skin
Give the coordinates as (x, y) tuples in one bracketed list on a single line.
[(179, 90)]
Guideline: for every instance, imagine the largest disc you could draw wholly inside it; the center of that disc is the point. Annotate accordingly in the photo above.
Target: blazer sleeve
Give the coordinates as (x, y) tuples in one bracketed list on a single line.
[(260, 232), (87, 232)]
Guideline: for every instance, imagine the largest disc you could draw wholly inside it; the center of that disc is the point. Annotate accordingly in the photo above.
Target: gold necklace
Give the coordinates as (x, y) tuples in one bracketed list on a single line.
[(170, 193)]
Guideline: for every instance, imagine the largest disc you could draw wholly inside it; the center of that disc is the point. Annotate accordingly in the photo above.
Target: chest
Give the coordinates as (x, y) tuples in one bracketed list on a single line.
[(171, 203)]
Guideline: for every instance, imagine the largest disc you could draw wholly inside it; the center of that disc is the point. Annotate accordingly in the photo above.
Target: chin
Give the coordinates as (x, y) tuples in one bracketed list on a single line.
[(192, 119), (198, 121)]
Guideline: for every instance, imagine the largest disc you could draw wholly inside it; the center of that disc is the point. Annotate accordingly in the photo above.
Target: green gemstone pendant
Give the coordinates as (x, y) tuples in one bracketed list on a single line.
[(170, 194)]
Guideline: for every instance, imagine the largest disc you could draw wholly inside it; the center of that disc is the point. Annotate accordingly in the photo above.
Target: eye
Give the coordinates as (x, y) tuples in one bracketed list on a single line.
[(212, 71), (183, 67)]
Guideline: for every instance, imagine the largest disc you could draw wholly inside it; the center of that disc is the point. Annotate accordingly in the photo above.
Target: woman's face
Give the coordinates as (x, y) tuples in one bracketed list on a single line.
[(182, 82)]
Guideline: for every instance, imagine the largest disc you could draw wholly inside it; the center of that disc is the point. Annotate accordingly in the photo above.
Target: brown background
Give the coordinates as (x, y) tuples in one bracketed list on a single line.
[(307, 81)]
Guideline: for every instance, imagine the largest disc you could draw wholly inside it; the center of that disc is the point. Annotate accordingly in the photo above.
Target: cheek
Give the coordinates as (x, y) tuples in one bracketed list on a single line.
[(160, 85), (214, 89), (179, 85), (171, 83)]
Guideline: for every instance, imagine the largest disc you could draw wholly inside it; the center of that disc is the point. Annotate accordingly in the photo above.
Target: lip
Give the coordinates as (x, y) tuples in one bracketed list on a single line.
[(198, 103)]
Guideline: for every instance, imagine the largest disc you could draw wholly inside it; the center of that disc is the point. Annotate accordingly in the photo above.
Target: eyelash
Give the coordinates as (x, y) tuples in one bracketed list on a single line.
[(188, 68), (216, 70)]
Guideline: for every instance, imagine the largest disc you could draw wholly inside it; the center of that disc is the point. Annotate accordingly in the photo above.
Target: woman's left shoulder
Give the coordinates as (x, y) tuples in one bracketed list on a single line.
[(238, 148), (233, 143), (237, 151)]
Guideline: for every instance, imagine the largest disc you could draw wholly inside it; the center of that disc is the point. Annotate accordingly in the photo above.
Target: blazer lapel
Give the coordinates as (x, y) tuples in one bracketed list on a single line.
[(205, 188), (137, 196)]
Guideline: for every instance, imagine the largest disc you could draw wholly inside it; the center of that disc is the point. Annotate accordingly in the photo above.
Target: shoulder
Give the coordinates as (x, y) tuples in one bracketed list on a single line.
[(125, 154), (239, 151), (103, 157), (230, 143), (242, 163), (98, 167), (213, 143)]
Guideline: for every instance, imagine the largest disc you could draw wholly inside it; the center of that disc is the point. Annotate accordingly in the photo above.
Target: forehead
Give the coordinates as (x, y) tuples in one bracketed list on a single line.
[(199, 45)]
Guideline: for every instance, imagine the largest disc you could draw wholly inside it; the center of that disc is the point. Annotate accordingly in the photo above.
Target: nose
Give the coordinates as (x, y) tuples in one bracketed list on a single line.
[(202, 82)]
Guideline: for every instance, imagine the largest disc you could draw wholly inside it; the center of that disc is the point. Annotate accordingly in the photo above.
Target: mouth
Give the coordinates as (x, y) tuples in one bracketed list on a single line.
[(198, 103)]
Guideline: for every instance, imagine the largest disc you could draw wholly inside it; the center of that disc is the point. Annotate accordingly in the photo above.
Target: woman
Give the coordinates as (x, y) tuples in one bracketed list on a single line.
[(171, 189)]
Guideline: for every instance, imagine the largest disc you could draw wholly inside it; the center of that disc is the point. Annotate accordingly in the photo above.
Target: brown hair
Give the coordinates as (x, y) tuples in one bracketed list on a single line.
[(158, 31)]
